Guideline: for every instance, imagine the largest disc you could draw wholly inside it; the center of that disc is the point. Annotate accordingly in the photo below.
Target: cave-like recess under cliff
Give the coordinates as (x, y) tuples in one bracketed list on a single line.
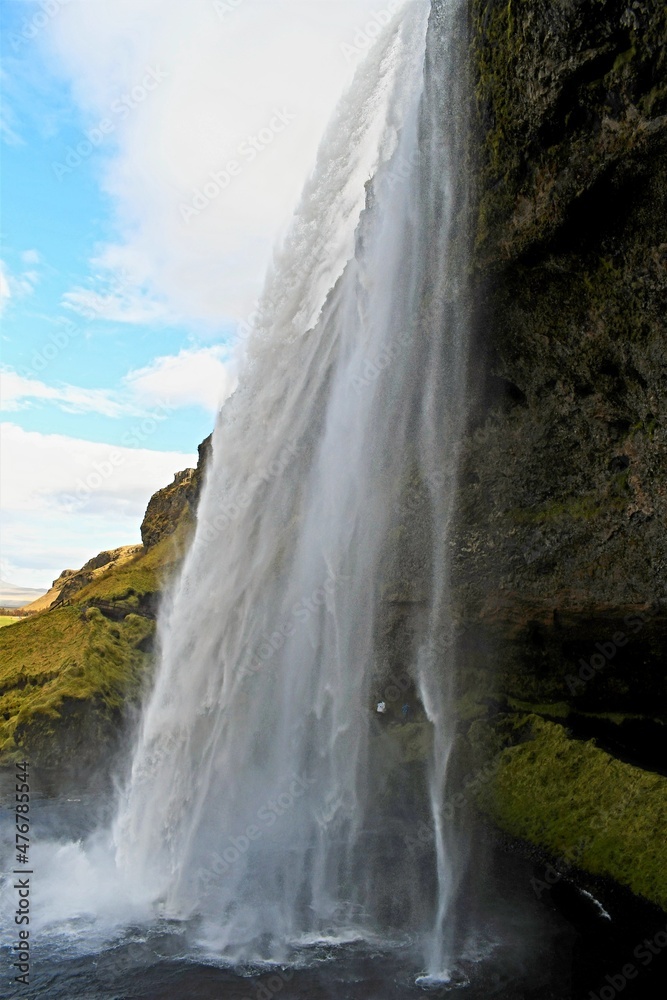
[(561, 557)]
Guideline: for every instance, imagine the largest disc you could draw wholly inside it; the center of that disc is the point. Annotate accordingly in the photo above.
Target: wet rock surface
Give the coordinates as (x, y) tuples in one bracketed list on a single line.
[(561, 558)]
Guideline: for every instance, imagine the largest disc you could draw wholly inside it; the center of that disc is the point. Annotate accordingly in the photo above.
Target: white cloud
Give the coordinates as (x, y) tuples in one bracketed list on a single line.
[(63, 499), (118, 291), (114, 307), (8, 124), (5, 290), (17, 392), (203, 377), (31, 257), (15, 286), (7, 131), (224, 80)]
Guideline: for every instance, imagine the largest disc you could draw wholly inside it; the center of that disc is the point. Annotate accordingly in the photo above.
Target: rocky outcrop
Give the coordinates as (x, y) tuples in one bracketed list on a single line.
[(166, 508), (70, 582), (71, 676), (175, 503), (561, 560)]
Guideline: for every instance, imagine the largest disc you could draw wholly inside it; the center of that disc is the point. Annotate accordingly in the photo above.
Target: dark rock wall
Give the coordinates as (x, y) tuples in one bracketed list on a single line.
[(564, 496), (560, 565)]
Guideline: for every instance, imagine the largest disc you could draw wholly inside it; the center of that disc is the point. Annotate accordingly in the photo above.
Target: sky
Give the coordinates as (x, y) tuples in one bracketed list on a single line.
[(153, 152)]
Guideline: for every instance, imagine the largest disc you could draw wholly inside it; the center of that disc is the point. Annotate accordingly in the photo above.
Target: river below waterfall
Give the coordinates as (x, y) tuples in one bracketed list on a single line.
[(537, 939)]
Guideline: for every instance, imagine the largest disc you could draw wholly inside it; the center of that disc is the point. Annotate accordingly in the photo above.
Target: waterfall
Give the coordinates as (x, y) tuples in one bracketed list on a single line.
[(267, 797)]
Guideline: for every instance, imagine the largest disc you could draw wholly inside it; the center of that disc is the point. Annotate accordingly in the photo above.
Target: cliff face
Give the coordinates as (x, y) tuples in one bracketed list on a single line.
[(176, 502), (571, 97), (561, 557), (71, 676), (572, 289), (561, 567)]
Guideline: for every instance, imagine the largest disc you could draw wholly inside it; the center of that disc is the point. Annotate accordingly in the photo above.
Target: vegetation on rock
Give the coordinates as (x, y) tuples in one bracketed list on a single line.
[(589, 810), (562, 546), (70, 675)]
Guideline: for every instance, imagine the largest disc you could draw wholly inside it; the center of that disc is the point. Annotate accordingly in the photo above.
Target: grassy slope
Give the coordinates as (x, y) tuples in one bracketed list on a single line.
[(145, 575), (75, 652), (8, 621), (585, 807)]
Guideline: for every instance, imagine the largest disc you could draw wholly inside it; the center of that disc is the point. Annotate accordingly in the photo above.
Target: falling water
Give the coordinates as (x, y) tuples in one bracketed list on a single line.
[(267, 797)]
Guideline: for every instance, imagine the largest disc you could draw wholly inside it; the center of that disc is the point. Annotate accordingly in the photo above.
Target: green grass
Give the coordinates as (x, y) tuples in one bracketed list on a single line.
[(4, 620), (68, 653), (142, 576), (75, 653), (584, 806)]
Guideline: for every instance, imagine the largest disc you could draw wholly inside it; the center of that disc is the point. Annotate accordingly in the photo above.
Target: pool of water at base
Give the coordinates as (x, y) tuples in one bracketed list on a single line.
[(561, 947), (156, 968), (535, 937)]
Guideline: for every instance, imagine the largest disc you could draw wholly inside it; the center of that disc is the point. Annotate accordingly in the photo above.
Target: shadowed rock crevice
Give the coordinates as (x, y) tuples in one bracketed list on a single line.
[(562, 558)]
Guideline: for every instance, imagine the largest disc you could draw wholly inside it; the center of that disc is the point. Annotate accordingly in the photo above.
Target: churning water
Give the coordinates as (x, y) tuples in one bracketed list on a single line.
[(268, 803), (263, 844), (261, 799)]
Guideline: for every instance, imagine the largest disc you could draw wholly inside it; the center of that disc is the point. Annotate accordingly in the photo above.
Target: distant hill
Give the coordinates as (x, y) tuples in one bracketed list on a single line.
[(71, 581), (12, 596)]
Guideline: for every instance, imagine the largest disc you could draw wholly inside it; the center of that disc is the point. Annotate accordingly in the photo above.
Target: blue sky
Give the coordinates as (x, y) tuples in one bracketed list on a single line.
[(152, 154), (56, 220)]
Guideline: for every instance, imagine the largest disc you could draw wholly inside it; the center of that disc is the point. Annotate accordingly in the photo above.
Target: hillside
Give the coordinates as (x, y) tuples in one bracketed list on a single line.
[(71, 675)]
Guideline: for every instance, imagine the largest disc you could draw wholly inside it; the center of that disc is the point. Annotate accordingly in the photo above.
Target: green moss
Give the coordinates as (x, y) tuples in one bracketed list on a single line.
[(68, 654), (585, 507), (415, 740), (623, 58), (651, 103), (497, 48), (469, 707), (646, 428), (583, 806), (142, 576), (556, 709), (582, 508)]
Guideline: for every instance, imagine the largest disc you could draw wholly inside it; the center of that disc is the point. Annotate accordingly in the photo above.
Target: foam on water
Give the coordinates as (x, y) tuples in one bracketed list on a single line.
[(264, 800)]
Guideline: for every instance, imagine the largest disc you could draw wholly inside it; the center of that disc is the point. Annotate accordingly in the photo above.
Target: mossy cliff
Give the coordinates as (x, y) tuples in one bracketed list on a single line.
[(590, 811), (561, 560), (560, 557), (71, 676)]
